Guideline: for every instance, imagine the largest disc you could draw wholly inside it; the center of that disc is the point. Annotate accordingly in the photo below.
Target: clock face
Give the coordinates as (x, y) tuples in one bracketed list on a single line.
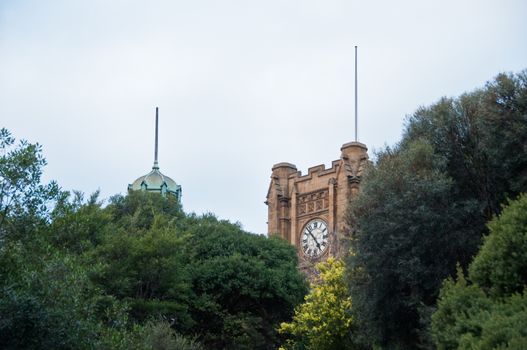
[(314, 238)]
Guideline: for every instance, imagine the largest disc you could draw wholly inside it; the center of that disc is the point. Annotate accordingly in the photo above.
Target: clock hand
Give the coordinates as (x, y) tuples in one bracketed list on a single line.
[(318, 245)]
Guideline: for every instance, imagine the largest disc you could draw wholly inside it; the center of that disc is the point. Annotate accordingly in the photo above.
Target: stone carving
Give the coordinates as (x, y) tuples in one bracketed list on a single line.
[(278, 188), (355, 169), (312, 202)]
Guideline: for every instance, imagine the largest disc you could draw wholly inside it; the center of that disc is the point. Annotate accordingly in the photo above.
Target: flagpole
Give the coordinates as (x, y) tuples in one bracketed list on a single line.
[(156, 140), (356, 114)]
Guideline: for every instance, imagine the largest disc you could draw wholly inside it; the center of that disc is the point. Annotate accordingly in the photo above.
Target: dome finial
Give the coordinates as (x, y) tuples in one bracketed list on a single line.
[(156, 165)]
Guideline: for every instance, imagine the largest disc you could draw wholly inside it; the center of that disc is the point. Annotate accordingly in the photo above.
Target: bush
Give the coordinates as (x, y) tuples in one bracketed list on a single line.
[(489, 309)]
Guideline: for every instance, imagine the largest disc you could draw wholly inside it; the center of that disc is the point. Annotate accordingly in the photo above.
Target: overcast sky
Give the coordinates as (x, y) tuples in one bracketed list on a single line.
[(240, 85)]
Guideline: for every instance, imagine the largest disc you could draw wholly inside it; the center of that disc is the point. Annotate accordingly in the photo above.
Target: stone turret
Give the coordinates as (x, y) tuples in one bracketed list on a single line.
[(278, 197)]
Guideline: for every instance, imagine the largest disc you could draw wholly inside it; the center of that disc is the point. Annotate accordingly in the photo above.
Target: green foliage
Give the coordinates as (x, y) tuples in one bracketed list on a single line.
[(467, 319), (47, 300), (323, 321), (489, 311), (52, 305), (410, 235), (23, 198), (243, 285), (132, 248), (75, 274), (456, 302), (146, 269), (78, 226), (139, 211), (160, 336), (208, 277), (501, 265), (424, 204), (482, 136)]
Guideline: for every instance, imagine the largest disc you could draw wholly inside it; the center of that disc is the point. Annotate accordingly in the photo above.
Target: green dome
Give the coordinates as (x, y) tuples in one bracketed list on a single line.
[(155, 181)]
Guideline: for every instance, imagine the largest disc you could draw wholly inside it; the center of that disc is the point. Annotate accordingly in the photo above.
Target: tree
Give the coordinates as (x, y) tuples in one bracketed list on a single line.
[(424, 204), (78, 226), (139, 258), (500, 267), (206, 276), (52, 303), (323, 321), (23, 198), (160, 335), (482, 137), (489, 309), (409, 236), (47, 300), (243, 284)]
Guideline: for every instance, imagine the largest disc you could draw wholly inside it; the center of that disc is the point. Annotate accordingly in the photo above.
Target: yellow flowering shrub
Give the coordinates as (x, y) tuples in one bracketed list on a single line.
[(323, 321)]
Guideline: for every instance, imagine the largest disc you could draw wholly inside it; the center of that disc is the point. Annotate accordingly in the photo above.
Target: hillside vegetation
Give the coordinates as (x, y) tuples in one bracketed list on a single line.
[(138, 273)]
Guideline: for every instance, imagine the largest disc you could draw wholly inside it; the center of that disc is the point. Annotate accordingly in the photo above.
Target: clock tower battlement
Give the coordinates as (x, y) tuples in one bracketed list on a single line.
[(309, 211)]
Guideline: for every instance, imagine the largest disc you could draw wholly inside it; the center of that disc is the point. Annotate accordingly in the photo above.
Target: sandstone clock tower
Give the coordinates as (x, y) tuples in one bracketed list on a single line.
[(309, 211)]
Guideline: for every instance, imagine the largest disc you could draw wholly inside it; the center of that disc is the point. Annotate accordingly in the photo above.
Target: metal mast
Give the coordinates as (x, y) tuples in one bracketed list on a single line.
[(356, 116), (156, 166)]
